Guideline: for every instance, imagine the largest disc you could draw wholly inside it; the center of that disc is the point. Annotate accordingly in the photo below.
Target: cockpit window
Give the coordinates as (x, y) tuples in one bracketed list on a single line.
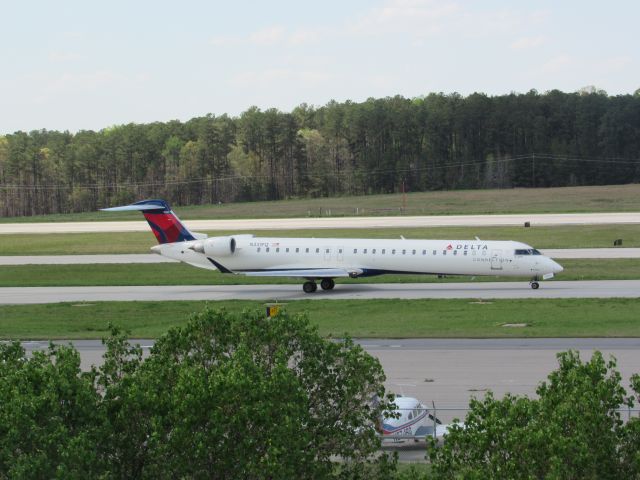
[(528, 251)]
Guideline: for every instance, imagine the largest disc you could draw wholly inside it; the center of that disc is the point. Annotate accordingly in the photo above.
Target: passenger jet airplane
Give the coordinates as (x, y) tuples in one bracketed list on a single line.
[(324, 259)]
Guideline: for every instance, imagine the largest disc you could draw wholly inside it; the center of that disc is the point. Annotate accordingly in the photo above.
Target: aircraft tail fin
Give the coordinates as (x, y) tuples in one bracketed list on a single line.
[(166, 226)]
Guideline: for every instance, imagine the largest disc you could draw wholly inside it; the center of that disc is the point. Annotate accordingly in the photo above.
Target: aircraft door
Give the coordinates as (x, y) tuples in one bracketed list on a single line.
[(496, 260)]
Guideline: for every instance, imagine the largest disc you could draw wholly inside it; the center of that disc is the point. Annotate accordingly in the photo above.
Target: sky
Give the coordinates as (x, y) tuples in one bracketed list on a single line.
[(80, 65)]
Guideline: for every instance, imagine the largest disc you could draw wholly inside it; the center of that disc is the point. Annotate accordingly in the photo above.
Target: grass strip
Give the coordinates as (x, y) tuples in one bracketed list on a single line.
[(607, 198), (182, 274), (439, 318), (576, 236)]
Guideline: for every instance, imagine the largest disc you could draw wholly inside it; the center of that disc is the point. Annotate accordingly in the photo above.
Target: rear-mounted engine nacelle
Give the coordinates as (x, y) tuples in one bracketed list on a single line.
[(216, 246)]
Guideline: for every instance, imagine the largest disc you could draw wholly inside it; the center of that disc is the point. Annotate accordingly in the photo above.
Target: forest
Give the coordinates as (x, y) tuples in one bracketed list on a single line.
[(384, 145)]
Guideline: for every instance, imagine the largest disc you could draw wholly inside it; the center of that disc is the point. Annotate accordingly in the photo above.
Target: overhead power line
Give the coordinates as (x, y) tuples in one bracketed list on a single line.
[(349, 173)]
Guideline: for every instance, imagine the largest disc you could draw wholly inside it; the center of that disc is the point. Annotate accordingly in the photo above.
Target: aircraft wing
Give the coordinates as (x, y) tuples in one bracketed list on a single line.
[(303, 273), (428, 431), (292, 272)]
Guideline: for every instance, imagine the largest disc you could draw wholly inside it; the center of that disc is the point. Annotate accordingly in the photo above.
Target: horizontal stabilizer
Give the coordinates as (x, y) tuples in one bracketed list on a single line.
[(144, 205), (131, 208)]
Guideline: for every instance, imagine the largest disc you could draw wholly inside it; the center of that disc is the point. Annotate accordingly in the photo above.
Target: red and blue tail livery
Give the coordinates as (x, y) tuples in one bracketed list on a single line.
[(165, 224)]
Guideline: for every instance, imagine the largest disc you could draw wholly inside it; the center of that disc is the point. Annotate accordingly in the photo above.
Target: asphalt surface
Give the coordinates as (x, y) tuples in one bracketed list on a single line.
[(336, 222), (443, 374), (446, 373), (153, 258), (480, 290), (84, 259)]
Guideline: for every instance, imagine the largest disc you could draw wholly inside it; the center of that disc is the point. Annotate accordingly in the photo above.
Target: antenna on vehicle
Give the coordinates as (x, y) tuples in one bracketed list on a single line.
[(402, 237), (478, 239)]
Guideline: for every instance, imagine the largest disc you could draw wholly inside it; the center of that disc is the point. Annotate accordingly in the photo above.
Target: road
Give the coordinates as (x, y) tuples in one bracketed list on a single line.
[(336, 222), (152, 258), (480, 290)]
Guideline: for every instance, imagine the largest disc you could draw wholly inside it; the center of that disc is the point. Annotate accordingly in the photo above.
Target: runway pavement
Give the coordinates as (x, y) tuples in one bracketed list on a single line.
[(336, 222), (448, 372), (152, 258), (445, 373), (84, 259), (480, 290)]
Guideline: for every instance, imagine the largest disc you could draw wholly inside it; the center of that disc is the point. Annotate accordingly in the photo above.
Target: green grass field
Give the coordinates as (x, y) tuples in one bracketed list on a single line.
[(358, 318), (371, 318), (610, 198), (181, 274), (587, 236)]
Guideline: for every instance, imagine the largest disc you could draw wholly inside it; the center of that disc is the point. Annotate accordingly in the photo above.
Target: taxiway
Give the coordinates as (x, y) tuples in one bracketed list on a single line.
[(480, 290), (336, 222)]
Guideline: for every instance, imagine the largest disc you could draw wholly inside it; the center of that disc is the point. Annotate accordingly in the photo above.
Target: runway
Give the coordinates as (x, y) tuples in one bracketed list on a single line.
[(152, 258), (6, 260), (445, 373), (480, 290), (448, 372), (336, 222)]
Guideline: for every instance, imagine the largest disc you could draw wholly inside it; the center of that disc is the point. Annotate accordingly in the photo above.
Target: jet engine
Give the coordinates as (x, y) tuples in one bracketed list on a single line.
[(216, 246)]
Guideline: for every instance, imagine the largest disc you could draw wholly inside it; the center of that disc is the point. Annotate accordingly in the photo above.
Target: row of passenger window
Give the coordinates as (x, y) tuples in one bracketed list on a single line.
[(297, 250), (365, 251), (414, 252)]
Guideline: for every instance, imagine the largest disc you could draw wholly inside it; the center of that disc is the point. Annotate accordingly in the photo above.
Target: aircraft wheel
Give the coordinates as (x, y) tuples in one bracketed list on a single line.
[(327, 284), (535, 285), (309, 287)]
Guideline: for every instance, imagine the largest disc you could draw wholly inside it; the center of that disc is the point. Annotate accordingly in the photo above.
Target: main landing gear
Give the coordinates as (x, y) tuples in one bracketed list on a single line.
[(311, 286), (327, 284)]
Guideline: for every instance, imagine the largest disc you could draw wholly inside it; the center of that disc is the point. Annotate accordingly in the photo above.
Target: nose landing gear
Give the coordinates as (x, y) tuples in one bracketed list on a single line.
[(534, 283)]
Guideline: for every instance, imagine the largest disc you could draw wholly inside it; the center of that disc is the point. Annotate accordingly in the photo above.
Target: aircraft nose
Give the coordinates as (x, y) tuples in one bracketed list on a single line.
[(556, 267)]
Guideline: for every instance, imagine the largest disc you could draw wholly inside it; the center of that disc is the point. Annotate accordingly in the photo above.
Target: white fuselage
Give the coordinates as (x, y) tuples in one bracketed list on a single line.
[(366, 257), (411, 420)]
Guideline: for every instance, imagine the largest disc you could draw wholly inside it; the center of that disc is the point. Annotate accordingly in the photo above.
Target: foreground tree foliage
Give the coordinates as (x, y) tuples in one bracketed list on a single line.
[(572, 431), (378, 146), (50, 416), (226, 396)]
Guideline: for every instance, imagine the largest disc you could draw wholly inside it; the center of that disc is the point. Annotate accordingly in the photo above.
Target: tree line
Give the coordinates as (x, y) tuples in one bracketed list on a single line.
[(380, 145)]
